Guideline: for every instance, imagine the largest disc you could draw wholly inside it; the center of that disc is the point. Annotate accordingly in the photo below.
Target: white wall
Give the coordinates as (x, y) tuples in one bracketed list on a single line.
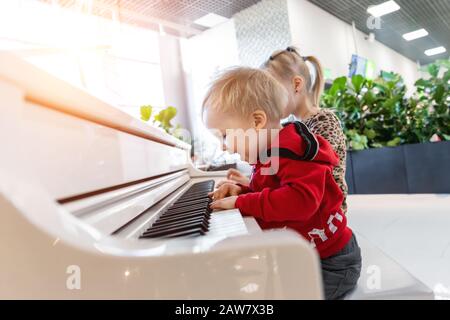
[(203, 56), (173, 79), (319, 33)]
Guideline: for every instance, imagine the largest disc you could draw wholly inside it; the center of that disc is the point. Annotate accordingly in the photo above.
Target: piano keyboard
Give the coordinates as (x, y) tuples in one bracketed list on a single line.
[(188, 216)]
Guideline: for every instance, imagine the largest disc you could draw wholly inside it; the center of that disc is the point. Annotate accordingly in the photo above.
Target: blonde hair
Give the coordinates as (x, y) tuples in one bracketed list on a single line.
[(288, 63), (243, 90)]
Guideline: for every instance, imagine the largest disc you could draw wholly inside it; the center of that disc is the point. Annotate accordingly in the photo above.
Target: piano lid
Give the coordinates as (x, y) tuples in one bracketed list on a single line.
[(44, 89), (72, 143)]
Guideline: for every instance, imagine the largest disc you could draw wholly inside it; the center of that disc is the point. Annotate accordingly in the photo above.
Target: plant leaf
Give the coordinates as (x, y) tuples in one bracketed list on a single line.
[(370, 133), (338, 85), (164, 117), (358, 81), (433, 69), (423, 83), (146, 112), (439, 93), (394, 142)]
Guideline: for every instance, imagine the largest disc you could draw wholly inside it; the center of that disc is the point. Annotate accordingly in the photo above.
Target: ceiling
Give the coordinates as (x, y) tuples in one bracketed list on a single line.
[(176, 16), (433, 15)]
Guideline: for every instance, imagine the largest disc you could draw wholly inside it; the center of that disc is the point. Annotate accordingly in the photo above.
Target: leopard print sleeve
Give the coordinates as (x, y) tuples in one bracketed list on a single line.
[(326, 124)]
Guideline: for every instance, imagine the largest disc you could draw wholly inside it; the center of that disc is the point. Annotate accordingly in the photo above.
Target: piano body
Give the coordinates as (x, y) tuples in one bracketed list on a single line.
[(95, 204)]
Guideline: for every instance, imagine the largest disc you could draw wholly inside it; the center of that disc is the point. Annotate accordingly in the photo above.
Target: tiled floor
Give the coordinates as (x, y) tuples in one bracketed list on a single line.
[(413, 229)]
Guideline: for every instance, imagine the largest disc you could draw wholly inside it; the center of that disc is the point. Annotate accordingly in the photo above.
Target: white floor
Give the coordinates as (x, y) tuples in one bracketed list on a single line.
[(414, 230)]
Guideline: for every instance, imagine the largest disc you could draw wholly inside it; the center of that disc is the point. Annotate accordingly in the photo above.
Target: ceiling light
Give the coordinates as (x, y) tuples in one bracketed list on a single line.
[(383, 9), (210, 20), (415, 34), (435, 51), (162, 32)]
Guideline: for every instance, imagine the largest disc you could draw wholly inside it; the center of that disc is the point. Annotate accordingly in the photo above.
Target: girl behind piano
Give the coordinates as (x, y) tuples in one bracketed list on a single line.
[(292, 183)]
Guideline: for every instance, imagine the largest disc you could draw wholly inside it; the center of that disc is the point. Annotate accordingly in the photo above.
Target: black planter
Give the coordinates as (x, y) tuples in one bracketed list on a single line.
[(349, 174), (428, 167), (415, 168)]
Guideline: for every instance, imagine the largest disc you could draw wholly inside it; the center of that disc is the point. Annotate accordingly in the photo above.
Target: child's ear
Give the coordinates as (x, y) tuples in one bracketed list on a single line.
[(298, 84), (259, 119)]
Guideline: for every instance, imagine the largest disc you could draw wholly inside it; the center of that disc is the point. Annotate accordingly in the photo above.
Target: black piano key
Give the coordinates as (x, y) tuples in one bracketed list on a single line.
[(189, 203), (186, 226), (169, 231), (196, 199), (187, 209), (194, 196), (202, 221), (187, 206), (199, 213), (188, 233), (174, 214), (181, 217), (200, 188), (204, 187), (183, 210)]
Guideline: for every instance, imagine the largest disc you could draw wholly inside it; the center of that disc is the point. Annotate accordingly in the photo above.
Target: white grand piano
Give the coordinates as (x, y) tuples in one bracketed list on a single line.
[(95, 204), (85, 192)]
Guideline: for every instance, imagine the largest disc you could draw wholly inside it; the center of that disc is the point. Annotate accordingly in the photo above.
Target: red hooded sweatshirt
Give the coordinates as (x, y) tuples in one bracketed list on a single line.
[(302, 194)]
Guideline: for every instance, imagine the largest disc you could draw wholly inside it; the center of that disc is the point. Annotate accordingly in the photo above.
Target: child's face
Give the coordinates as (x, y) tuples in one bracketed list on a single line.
[(240, 135)]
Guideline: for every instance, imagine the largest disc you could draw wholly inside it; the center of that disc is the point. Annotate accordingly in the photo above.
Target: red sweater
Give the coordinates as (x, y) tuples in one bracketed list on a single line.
[(301, 195)]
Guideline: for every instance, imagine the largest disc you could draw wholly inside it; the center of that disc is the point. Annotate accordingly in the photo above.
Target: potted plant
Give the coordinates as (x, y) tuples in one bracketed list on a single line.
[(388, 134)]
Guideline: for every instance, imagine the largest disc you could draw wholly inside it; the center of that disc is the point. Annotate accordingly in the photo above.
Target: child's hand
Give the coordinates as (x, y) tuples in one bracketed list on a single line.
[(234, 176), (224, 204), (222, 182), (238, 177), (225, 190)]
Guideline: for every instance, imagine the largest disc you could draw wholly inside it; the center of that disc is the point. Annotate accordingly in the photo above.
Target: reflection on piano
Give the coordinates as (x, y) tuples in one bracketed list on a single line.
[(97, 204)]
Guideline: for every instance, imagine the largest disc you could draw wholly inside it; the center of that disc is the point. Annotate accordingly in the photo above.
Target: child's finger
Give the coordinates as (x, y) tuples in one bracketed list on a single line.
[(215, 204), (216, 194), (234, 192), (221, 193), (231, 173), (221, 183)]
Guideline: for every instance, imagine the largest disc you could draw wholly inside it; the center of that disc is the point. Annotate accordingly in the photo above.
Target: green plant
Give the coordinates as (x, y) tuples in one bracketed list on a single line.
[(163, 120), (372, 112), (431, 102), (376, 113)]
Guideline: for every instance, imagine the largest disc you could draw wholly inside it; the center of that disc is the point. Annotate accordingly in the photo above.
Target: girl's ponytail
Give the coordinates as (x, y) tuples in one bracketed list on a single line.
[(319, 82)]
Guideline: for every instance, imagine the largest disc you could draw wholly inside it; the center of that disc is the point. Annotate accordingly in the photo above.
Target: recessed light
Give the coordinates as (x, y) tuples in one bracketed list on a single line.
[(383, 8), (435, 51), (210, 20), (415, 34)]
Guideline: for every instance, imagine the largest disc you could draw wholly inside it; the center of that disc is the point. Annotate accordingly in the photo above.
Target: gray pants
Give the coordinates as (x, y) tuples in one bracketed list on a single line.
[(340, 272)]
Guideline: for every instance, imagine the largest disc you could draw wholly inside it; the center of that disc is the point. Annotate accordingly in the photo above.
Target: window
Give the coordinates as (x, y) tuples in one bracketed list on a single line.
[(118, 63)]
